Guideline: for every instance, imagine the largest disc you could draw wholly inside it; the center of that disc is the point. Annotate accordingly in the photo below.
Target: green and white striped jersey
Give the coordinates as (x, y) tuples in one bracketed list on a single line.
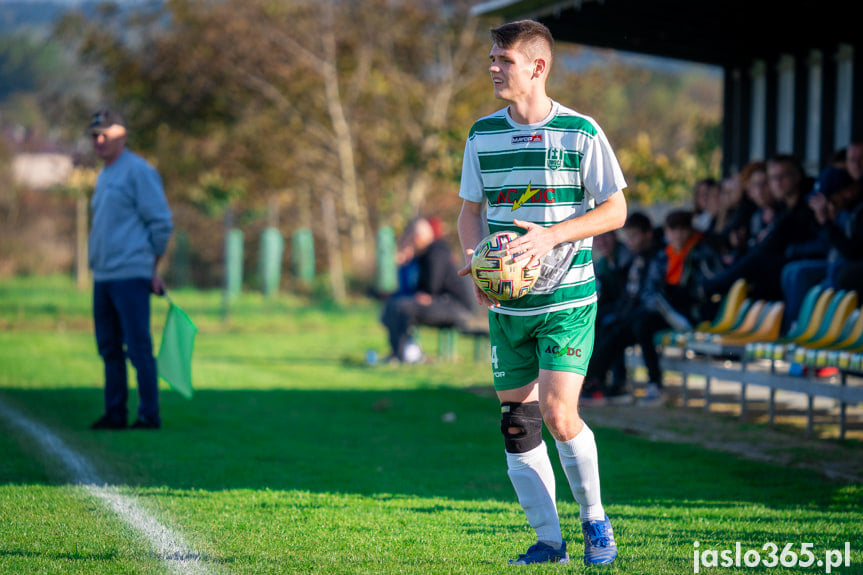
[(545, 173)]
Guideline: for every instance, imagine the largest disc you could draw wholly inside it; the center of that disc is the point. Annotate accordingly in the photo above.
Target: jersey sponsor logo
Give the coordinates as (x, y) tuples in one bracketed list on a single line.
[(527, 139), (530, 195), (554, 158), (560, 351)]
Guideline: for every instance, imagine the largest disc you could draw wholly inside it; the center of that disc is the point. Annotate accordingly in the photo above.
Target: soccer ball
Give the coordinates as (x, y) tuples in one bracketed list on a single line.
[(496, 273)]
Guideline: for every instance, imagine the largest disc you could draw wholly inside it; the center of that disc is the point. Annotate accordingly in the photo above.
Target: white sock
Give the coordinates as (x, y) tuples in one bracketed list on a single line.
[(581, 465), (533, 479)]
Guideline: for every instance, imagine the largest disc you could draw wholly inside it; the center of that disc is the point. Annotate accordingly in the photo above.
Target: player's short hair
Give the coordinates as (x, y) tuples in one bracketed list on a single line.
[(638, 221), (534, 38)]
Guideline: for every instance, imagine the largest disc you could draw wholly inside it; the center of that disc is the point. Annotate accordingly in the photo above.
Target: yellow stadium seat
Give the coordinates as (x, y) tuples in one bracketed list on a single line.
[(852, 335), (750, 320), (767, 327), (728, 311)]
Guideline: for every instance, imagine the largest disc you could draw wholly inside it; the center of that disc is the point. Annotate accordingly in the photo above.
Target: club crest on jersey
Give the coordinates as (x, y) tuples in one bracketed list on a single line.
[(554, 158), (527, 139)]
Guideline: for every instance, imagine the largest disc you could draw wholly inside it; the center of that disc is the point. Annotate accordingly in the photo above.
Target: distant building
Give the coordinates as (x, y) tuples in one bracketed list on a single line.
[(40, 171)]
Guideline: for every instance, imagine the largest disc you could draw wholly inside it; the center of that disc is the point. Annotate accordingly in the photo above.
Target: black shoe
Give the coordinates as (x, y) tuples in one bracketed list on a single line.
[(143, 423), (106, 422)]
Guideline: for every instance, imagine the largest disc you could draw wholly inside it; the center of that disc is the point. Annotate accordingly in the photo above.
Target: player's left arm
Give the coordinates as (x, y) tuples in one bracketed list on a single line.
[(539, 240)]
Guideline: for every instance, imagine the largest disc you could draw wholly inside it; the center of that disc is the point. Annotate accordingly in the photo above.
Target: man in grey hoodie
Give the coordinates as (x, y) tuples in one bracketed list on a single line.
[(132, 224)]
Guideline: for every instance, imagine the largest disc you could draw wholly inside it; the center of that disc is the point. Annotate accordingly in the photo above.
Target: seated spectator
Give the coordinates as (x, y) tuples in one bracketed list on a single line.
[(794, 236), (706, 198), (799, 276), (437, 296), (666, 296), (739, 209), (854, 160), (406, 259), (611, 259), (638, 237), (766, 211), (408, 266), (680, 269), (840, 211)]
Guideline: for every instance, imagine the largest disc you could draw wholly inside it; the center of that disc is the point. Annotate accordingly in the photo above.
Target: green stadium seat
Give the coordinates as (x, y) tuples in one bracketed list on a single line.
[(809, 324), (852, 336), (835, 318)]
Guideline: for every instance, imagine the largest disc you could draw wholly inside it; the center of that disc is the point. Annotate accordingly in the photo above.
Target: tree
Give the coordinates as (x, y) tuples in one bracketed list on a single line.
[(664, 126), (296, 98), (350, 114)]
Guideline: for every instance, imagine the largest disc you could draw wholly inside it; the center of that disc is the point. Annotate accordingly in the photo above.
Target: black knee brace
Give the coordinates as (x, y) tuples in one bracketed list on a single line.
[(521, 424)]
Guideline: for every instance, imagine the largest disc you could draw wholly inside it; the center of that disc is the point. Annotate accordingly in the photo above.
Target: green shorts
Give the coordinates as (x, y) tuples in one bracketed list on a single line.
[(522, 345)]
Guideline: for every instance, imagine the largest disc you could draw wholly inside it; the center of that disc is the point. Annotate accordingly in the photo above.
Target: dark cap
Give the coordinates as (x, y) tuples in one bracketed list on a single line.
[(104, 119), (832, 180)]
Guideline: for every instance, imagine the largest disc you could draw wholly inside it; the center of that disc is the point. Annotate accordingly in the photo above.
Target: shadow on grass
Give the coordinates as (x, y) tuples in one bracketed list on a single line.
[(427, 443), (65, 557)]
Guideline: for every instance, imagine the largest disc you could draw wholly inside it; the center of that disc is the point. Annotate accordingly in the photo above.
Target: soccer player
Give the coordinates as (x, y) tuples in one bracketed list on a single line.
[(549, 173)]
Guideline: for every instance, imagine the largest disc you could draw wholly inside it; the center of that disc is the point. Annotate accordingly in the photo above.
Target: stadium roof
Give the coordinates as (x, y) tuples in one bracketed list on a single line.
[(719, 32)]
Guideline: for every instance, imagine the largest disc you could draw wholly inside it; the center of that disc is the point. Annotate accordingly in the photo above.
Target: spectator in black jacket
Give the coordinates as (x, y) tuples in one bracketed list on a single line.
[(841, 215), (611, 260), (794, 236), (767, 211), (830, 203), (615, 324), (662, 294), (440, 297)]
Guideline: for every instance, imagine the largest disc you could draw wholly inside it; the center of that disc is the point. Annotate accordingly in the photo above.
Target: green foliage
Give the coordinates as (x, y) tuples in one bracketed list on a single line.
[(214, 193), (665, 127), (654, 177), (25, 65), (244, 103)]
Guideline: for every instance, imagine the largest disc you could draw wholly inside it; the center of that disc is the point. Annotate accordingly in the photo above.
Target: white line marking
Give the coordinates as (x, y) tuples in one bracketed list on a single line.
[(170, 546)]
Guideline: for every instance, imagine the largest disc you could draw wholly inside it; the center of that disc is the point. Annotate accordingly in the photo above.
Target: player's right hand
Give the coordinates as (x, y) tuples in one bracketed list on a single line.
[(482, 298)]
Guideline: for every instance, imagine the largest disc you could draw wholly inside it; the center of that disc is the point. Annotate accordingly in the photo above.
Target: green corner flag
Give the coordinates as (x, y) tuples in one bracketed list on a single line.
[(175, 352)]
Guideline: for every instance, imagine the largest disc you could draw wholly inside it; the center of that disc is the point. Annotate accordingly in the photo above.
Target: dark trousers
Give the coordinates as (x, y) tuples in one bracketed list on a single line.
[(611, 340), (121, 314), (401, 313), (605, 315)]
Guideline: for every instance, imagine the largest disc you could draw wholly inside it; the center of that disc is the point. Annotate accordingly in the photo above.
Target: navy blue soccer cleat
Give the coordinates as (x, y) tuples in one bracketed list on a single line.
[(599, 545), (541, 552)]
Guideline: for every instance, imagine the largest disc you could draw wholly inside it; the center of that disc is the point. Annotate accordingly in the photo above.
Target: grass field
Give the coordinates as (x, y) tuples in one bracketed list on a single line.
[(294, 456)]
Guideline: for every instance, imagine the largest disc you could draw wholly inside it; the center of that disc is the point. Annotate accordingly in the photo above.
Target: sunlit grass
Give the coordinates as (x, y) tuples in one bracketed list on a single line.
[(294, 456)]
